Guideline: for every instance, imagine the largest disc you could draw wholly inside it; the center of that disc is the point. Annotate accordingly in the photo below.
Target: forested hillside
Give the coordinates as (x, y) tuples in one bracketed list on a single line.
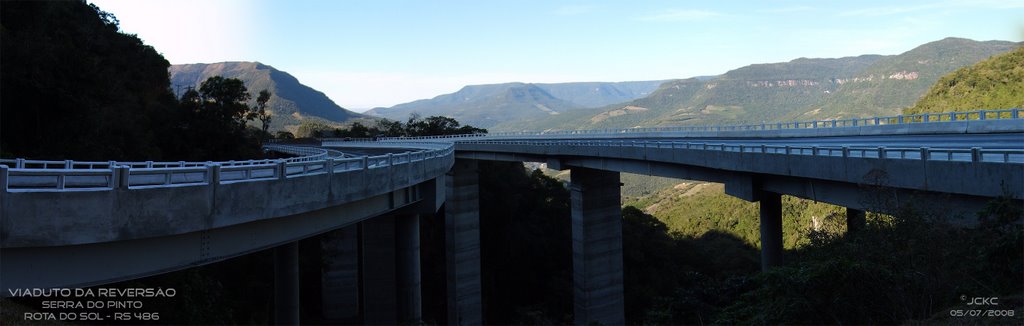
[(291, 102), (900, 81), (74, 87), (996, 83), (801, 89), (69, 77)]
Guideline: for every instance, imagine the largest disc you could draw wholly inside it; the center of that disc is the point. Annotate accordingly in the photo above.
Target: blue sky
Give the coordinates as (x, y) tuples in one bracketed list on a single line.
[(364, 54)]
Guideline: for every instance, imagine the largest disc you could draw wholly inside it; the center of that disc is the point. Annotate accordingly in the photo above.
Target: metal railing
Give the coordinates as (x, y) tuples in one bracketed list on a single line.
[(39, 175), (1015, 113), (43, 175), (974, 154)]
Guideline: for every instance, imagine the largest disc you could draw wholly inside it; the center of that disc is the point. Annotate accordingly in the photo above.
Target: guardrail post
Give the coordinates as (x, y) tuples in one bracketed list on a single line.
[(19, 163), (876, 121), (366, 162), (3, 178), (764, 149), (391, 159), (814, 150), (815, 124), (119, 176), (282, 170), (926, 118), (899, 119), (924, 153), (1014, 113), (787, 150), (976, 154), (952, 116), (846, 151), (855, 122), (981, 115), (330, 166), (69, 164), (149, 164), (881, 152), (213, 174)]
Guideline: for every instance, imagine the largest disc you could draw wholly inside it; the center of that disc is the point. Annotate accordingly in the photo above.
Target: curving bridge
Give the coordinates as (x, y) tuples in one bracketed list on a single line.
[(72, 223)]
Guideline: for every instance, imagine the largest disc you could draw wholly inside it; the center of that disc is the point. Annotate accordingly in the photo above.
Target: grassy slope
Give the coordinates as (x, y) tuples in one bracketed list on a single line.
[(696, 208)]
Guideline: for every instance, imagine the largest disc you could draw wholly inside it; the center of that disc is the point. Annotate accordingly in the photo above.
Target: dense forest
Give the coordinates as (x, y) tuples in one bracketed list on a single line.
[(76, 88)]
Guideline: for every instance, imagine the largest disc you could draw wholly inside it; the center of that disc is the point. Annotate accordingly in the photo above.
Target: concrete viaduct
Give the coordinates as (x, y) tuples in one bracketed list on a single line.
[(75, 224)]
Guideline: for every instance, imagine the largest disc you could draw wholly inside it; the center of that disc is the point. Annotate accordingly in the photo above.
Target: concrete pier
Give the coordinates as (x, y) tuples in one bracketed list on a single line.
[(339, 278), (855, 220), (407, 235), (771, 229), (462, 242), (597, 247), (286, 284), (378, 270)]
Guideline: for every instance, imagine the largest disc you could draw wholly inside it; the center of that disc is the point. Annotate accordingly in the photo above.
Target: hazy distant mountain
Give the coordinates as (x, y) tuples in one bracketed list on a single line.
[(801, 89), (488, 105), (995, 83), (597, 94), (291, 102)]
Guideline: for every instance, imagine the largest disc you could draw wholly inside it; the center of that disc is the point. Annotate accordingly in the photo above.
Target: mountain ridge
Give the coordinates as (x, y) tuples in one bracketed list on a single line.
[(994, 83), (291, 101), (490, 104), (800, 89)]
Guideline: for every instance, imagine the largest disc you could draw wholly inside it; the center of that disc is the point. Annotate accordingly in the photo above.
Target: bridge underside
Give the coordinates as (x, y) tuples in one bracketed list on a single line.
[(874, 193), (108, 262)]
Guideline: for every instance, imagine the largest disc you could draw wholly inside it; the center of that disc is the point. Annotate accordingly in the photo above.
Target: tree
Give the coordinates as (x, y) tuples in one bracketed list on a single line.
[(260, 112), (437, 125), (390, 128), (358, 130), (76, 88), (224, 100), (284, 135)]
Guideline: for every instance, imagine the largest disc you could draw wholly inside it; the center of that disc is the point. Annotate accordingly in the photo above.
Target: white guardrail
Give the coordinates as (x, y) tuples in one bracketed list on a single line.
[(20, 175), (1016, 113), (974, 154), (38, 175)]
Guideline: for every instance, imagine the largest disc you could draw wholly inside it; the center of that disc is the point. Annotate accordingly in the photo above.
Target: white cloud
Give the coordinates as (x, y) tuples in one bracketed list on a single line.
[(676, 15)]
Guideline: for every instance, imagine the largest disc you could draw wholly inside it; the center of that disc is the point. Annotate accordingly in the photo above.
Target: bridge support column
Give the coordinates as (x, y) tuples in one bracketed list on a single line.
[(409, 291), (340, 276), (378, 270), (597, 247), (286, 284), (771, 229), (462, 242), (855, 220)]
